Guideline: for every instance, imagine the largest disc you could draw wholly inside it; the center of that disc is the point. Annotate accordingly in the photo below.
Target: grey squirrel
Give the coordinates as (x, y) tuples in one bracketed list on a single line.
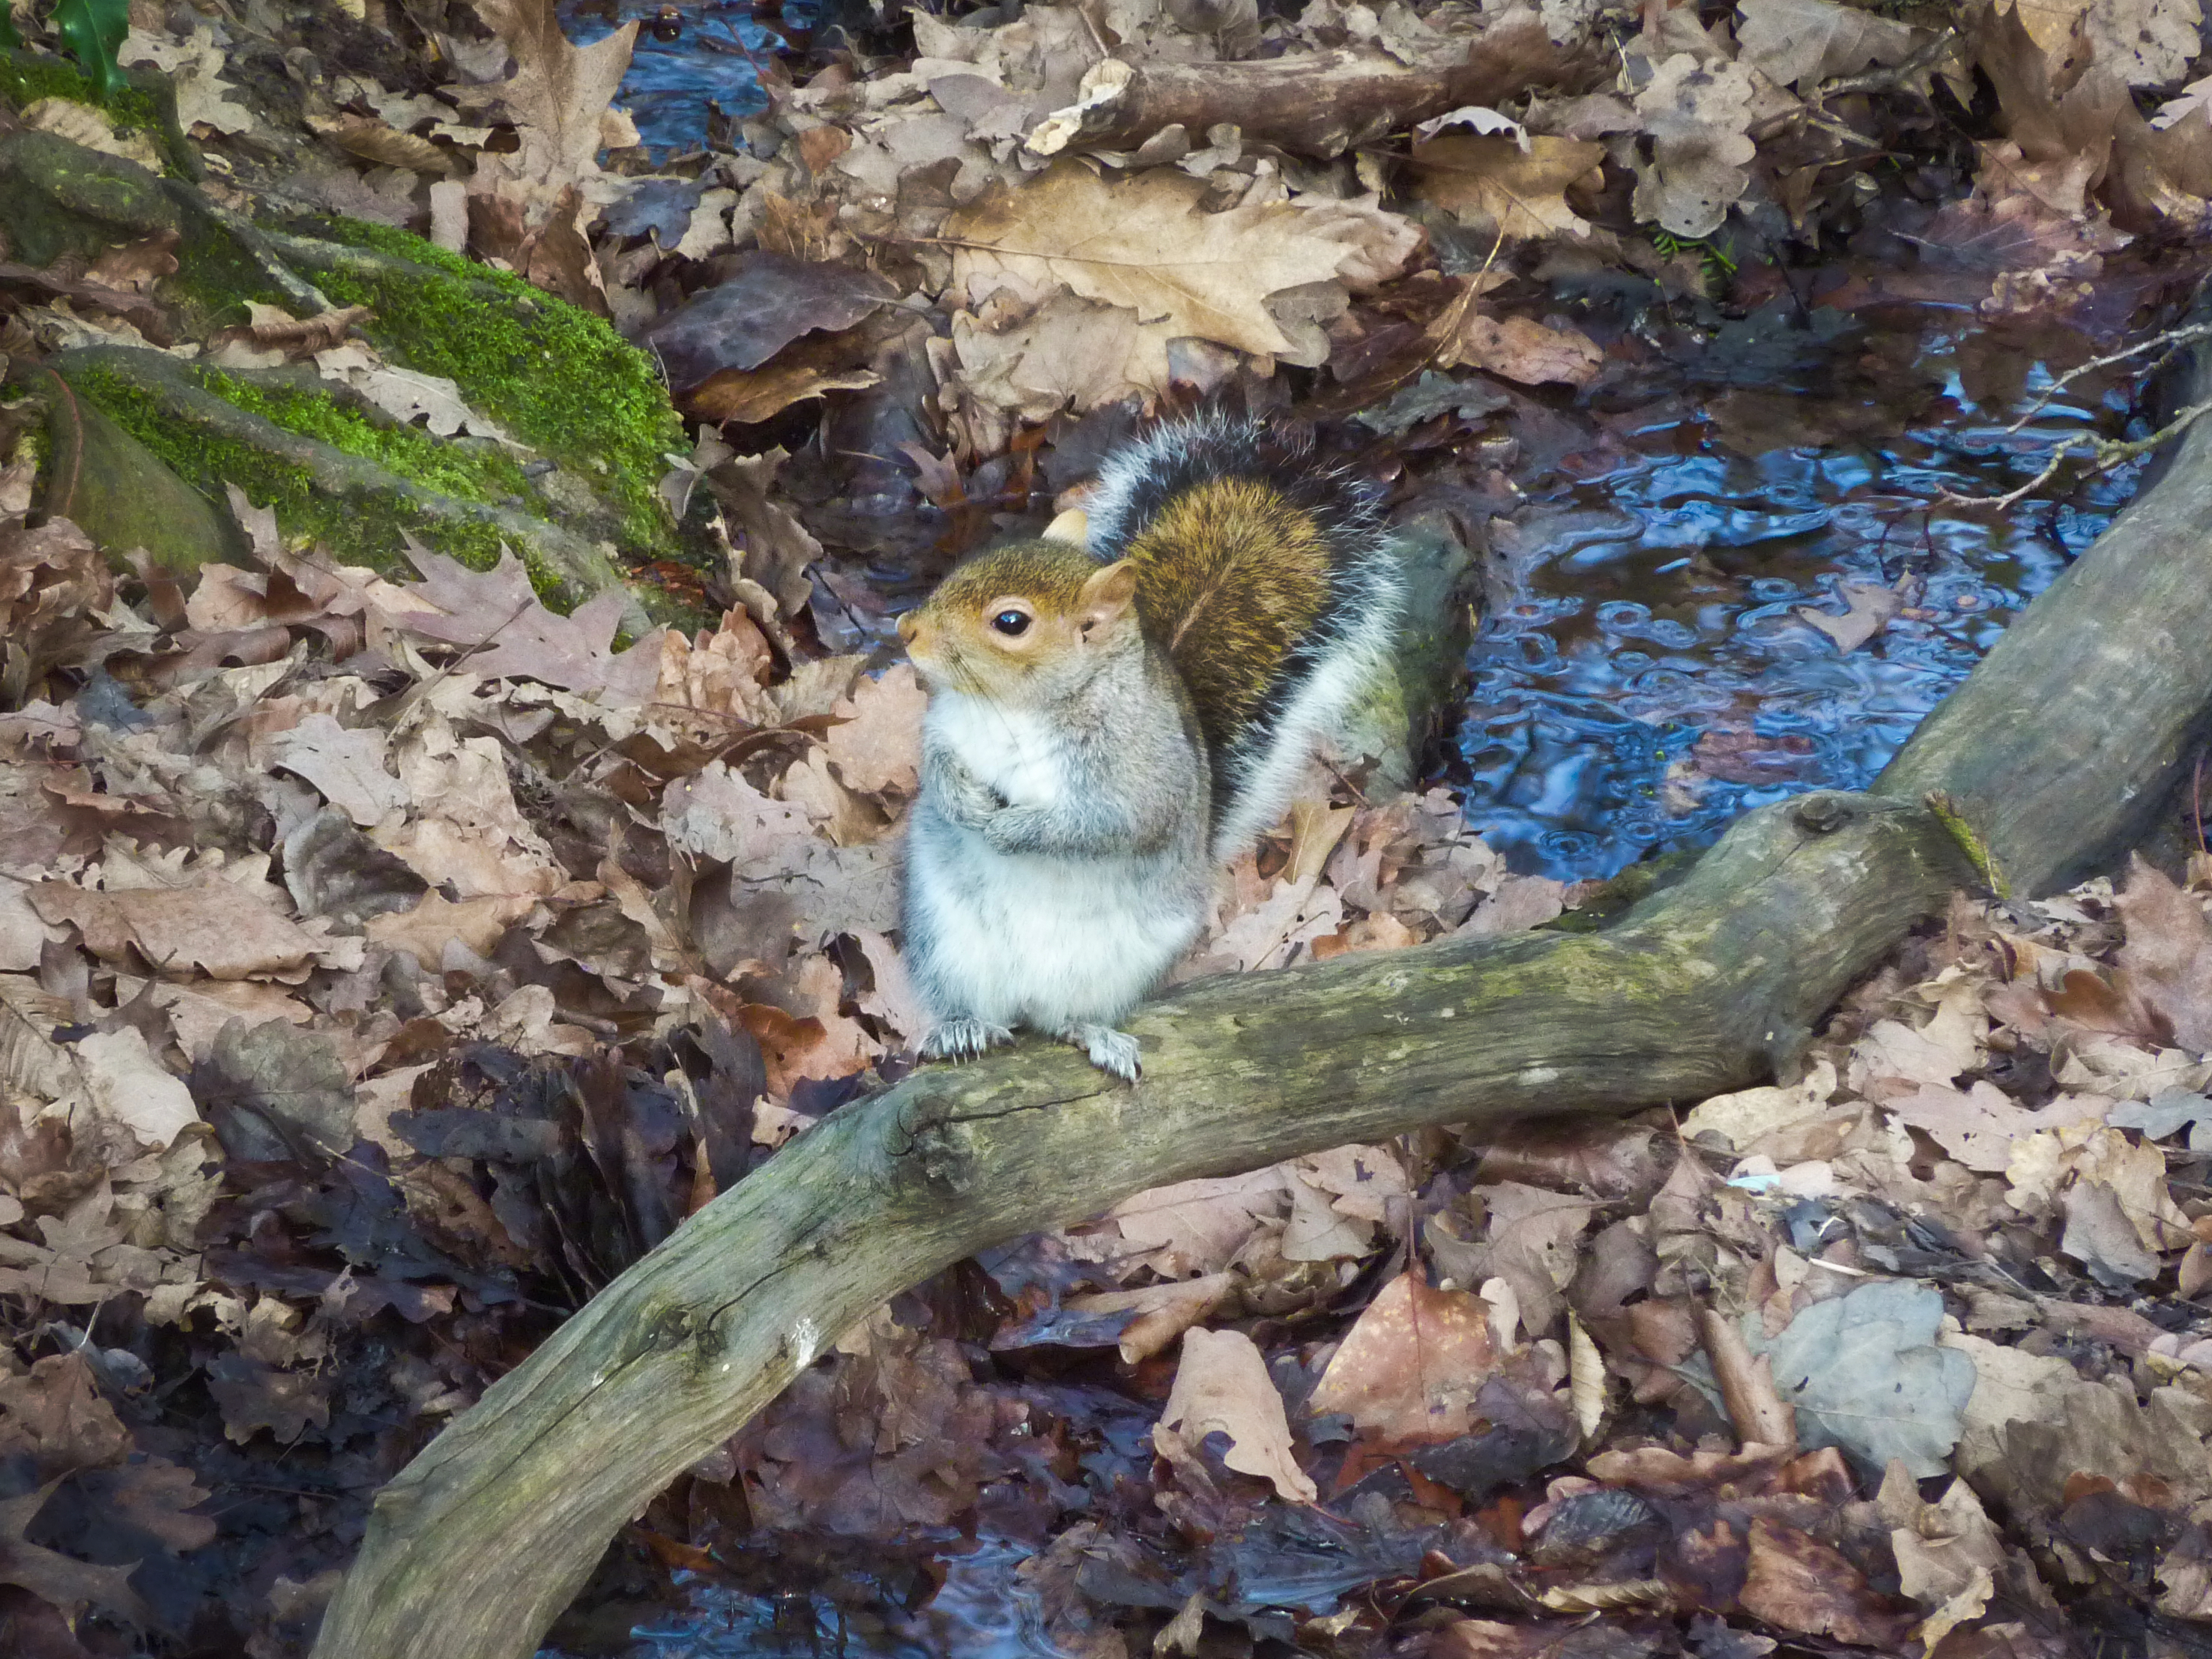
[(1113, 714)]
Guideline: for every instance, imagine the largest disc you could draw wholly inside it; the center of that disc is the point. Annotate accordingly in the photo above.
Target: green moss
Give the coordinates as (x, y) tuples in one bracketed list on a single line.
[(560, 378), (218, 280), (210, 462), (439, 463), (27, 76)]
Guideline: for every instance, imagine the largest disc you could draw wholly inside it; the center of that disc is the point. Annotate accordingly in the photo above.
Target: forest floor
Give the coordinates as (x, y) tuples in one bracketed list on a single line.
[(386, 962)]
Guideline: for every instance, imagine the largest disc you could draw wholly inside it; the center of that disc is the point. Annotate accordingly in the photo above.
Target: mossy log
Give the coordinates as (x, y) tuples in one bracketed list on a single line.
[(2059, 743), (600, 433), (218, 427), (114, 489)]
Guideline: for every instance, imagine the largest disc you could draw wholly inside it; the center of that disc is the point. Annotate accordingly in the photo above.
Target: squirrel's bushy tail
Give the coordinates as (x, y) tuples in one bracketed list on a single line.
[(1270, 581)]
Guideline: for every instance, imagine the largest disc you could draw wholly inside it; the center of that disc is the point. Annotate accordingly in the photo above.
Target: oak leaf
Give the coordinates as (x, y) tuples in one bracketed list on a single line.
[(1491, 184), (560, 93), (1697, 115), (1143, 243), (1795, 42)]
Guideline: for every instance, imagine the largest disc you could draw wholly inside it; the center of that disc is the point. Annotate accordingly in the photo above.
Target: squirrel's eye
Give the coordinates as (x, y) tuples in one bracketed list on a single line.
[(1011, 623)]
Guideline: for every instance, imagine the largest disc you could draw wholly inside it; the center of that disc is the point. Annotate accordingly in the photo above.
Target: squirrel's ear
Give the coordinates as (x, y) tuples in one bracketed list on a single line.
[(1071, 527), (1107, 593)]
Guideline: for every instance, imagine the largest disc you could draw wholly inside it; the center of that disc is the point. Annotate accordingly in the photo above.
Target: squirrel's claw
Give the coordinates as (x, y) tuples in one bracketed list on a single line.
[(1109, 1050), (963, 1039)]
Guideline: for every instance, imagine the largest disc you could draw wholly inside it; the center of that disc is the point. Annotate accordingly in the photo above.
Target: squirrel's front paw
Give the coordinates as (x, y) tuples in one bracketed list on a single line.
[(963, 797), (963, 1039), (1109, 1050)]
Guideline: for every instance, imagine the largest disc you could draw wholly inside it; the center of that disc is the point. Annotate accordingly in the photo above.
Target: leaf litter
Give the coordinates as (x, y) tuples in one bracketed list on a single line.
[(387, 963)]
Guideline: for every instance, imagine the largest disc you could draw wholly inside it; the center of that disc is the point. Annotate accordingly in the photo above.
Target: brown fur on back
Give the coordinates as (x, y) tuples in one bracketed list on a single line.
[(1230, 576)]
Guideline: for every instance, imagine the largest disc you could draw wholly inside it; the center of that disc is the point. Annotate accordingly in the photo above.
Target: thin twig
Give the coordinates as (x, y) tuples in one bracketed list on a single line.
[(2173, 339), (2106, 453), (1892, 78)]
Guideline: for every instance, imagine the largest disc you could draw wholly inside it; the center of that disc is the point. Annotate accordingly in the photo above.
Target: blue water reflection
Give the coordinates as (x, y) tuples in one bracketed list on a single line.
[(981, 1611), (671, 82), (1652, 678)]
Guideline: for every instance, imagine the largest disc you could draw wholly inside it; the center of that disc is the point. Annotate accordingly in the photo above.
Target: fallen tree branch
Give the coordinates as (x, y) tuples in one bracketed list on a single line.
[(2056, 748), (1312, 104)]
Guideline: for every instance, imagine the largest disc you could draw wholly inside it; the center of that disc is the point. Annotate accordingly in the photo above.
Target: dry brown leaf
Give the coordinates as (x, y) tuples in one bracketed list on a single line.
[(1798, 42), (560, 95), (498, 616), (1162, 1312), (81, 123), (2168, 955), (375, 141), (1585, 1378), (1493, 185), (1521, 349), (1868, 609), (1198, 1226), (2148, 43), (774, 549), (1520, 902), (749, 395), (217, 928), (194, 69), (1761, 1416), (135, 267), (716, 679), (198, 1011), (132, 1088), (434, 921), (2099, 1236), (876, 749), (1743, 1118), (1894, 1059), (272, 326), (1222, 1386), (1979, 1127), (845, 817), (1363, 1182), (1697, 115), (1032, 361), (349, 766), (1798, 1584), (464, 827), (1291, 914), (1410, 1367), (406, 394), (1316, 1232), (1531, 1243), (1142, 242)]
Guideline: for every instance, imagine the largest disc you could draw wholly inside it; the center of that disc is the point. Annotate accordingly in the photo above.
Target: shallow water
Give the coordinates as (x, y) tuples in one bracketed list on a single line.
[(709, 55), (980, 1612), (1651, 677)]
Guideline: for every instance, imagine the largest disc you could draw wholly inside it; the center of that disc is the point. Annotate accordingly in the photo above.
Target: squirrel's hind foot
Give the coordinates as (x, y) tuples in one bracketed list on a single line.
[(1109, 1050), (965, 1039)]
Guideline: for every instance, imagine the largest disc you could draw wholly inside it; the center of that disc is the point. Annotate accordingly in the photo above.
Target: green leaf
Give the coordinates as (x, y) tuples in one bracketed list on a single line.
[(93, 30), (8, 38)]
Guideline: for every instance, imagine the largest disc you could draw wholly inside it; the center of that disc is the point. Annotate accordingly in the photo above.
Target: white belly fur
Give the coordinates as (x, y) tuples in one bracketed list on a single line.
[(1011, 750), (1030, 938)]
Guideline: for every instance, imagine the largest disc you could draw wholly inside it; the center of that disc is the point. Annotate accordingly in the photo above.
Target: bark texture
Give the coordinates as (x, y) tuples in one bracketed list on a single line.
[(2056, 747), (1316, 104)]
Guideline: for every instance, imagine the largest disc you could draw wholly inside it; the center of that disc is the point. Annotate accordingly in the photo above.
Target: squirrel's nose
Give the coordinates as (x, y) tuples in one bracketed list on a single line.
[(908, 626)]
